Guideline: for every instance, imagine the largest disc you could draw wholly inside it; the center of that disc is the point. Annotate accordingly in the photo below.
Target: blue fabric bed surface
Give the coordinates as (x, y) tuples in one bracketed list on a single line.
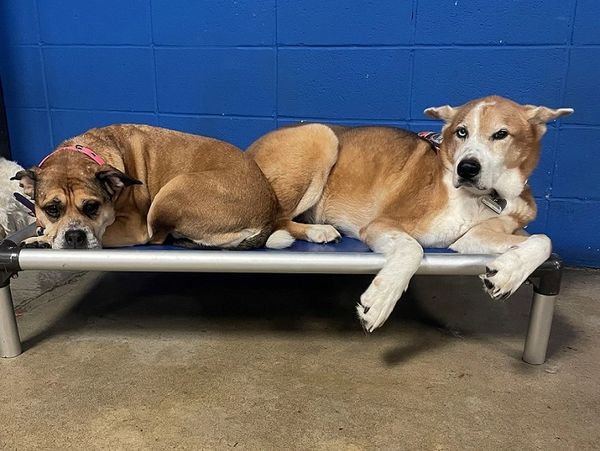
[(346, 245)]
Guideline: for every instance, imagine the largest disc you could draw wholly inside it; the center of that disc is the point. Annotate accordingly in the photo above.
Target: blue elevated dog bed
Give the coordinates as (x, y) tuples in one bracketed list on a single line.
[(349, 256)]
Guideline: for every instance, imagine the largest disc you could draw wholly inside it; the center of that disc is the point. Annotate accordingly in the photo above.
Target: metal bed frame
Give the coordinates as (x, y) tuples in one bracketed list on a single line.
[(348, 257)]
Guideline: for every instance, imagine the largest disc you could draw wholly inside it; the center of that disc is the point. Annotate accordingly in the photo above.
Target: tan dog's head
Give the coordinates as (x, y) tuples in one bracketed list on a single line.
[(74, 198), (493, 143)]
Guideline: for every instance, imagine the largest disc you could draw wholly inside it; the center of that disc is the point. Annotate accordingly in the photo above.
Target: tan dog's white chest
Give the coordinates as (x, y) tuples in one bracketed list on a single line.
[(463, 211)]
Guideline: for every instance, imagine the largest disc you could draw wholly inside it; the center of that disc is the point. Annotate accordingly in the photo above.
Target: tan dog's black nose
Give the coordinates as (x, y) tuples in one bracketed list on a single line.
[(468, 168), (75, 239)]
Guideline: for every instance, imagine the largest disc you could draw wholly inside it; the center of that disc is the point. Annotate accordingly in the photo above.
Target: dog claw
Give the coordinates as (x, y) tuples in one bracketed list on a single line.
[(490, 272), (489, 285), (504, 297)]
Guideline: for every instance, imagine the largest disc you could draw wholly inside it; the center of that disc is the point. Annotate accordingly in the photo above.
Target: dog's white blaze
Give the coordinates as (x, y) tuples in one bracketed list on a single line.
[(478, 146)]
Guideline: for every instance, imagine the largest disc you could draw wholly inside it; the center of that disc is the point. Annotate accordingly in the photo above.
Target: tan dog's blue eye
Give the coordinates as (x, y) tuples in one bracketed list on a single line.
[(52, 211), (462, 132), (500, 134), (91, 208)]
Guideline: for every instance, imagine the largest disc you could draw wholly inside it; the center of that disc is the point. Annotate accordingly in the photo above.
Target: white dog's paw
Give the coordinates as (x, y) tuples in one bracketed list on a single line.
[(504, 276), (376, 304), (322, 233)]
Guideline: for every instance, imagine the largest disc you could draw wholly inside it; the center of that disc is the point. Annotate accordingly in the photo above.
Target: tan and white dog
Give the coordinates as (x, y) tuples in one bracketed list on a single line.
[(389, 188), (134, 184)]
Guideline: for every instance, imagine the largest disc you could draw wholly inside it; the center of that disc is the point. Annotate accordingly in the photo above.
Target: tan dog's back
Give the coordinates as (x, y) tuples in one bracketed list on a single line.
[(380, 169)]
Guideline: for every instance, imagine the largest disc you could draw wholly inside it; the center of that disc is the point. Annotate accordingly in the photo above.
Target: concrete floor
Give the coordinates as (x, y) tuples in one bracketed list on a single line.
[(187, 361)]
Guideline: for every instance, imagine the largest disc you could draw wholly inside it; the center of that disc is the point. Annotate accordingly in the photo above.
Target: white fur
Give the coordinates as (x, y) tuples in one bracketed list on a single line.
[(403, 256), (13, 215), (462, 212), (60, 242), (509, 271), (321, 233), (280, 239)]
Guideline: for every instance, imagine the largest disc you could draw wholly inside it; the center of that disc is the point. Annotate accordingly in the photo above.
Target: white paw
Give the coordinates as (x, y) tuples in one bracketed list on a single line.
[(322, 233), (377, 303), (504, 276)]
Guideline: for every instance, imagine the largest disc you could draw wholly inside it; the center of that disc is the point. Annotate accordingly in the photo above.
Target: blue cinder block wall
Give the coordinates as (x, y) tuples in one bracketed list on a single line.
[(237, 69)]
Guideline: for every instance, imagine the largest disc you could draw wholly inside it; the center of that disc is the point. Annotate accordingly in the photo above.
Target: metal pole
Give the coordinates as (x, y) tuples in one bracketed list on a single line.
[(238, 261), (538, 333), (10, 342)]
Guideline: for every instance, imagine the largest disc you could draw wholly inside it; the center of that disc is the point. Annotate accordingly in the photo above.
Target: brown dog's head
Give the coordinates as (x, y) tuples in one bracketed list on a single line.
[(74, 198), (493, 143)]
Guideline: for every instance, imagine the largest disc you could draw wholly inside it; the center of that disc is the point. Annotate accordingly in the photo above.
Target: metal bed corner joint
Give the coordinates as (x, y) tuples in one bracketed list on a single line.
[(546, 279)]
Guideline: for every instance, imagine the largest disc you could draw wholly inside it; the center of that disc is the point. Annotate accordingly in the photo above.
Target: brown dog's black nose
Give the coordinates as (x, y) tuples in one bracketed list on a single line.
[(468, 169), (75, 239)]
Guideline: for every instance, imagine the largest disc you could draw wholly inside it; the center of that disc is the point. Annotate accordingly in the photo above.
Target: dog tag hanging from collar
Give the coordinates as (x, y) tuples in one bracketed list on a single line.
[(494, 202)]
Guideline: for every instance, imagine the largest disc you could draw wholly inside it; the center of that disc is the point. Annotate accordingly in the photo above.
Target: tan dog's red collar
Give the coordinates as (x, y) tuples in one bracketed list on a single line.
[(81, 149)]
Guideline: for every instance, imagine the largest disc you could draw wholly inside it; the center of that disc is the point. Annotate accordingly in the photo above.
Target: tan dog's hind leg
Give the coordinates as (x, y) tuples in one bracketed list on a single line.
[(211, 209), (520, 255), (403, 255), (297, 162)]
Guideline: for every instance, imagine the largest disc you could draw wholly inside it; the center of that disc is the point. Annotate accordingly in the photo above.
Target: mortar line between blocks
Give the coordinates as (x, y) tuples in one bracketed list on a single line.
[(155, 74), (42, 57)]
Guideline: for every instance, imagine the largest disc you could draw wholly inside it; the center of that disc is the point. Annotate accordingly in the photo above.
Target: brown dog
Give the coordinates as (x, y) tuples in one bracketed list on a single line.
[(134, 184), (389, 188)]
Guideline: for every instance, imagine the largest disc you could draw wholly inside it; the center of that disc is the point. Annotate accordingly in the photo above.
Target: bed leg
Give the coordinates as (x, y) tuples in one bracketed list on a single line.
[(542, 310), (10, 342)]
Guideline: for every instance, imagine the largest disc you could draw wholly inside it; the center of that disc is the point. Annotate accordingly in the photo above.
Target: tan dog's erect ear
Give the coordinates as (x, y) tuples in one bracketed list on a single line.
[(27, 179), (114, 180), (542, 114), (445, 113)]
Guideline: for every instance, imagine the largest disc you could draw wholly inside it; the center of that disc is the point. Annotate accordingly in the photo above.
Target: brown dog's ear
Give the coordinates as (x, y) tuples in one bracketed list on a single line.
[(541, 114), (114, 180), (27, 179), (445, 112)]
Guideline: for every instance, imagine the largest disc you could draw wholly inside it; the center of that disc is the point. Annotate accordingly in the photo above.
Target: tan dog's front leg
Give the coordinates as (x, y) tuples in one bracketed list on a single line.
[(403, 255), (520, 255)]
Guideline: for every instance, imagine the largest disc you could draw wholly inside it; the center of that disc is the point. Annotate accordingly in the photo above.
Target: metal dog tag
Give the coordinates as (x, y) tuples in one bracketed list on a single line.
[(496, 204)]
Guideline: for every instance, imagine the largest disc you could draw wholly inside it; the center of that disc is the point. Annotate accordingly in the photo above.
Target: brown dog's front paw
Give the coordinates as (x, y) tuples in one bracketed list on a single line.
[(34, 243)]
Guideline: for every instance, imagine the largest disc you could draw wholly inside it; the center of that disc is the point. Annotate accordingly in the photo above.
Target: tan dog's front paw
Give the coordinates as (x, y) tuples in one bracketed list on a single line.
[(378, 302), (503, 277)]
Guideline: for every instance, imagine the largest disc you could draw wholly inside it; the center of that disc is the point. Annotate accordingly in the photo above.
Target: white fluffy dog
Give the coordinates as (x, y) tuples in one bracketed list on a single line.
[(13, 215)]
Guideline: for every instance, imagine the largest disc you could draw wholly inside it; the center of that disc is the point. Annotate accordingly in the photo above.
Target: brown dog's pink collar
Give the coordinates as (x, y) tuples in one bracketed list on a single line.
[(81, 149)]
